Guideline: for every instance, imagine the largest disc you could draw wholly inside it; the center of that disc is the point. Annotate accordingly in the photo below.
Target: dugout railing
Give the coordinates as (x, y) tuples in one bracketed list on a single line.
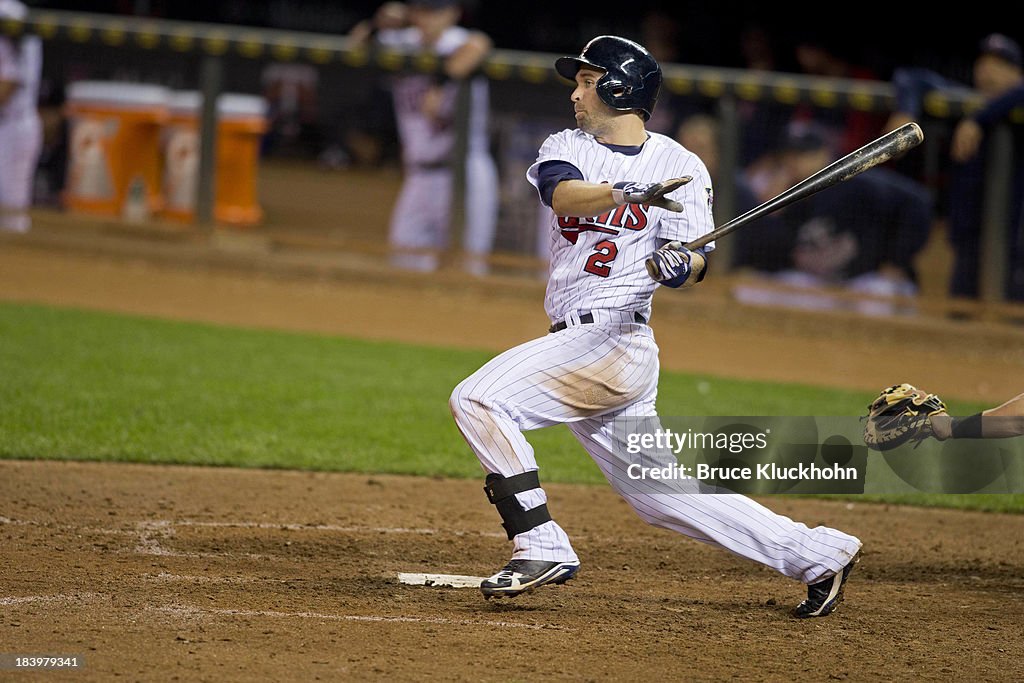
[(215, 57)]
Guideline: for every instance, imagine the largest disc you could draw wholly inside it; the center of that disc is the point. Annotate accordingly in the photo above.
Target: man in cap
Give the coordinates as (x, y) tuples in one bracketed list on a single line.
[(998, 79)]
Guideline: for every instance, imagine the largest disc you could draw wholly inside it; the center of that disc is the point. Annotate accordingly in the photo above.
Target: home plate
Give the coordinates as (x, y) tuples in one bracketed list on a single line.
[(440, 580)]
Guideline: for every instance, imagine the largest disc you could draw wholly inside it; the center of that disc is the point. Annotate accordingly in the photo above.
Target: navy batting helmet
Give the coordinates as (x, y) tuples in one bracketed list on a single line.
[(632, 77)]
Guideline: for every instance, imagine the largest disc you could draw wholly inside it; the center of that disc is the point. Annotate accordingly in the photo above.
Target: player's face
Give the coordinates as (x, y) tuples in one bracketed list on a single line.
[(993, 76), (592, 115)]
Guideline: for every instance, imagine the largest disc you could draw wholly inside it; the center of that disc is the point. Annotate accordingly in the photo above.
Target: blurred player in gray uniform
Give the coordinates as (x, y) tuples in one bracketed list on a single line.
[(425, 108), (624, 202), (21, 129)]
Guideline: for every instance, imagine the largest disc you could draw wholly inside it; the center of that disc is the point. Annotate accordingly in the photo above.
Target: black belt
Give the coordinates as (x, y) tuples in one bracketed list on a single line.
[(430, 166), (587, 318)]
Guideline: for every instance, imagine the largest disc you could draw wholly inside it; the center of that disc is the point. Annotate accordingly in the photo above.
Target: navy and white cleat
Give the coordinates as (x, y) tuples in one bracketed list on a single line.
[(519, 576), (824, 596)]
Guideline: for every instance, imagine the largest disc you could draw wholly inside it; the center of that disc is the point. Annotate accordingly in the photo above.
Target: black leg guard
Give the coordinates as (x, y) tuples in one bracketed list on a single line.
[(501, 491)]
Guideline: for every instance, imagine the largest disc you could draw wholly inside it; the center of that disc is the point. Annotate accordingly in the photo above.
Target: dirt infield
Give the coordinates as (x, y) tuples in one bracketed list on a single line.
[(161, 573), (178, 573)]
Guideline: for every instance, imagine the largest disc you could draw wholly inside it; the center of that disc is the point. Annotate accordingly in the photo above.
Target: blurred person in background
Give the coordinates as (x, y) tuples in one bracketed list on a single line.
[(661, 34), (861, 235), (763, 120), (51, 169), (21, 129), (849, 127), (701, 134), (293, 109), (425, 111), (998, 79)]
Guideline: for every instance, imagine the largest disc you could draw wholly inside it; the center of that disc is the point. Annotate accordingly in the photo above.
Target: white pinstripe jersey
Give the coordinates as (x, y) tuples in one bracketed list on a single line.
[(21, 62), (426, 140), (598, 262)]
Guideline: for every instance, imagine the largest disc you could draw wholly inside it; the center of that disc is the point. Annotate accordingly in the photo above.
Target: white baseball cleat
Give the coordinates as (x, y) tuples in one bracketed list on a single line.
[(519, 576)]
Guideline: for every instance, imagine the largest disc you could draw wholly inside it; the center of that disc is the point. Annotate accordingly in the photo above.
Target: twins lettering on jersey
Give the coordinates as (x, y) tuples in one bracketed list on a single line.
[(624, 217)]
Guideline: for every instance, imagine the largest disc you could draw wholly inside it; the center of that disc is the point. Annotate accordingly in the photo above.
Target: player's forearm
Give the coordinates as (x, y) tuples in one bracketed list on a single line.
[(1015, 407), (1002, 427), (980, 426), (468, 58), (1004, 420), (580, 198), (390, 15), (362, 32)]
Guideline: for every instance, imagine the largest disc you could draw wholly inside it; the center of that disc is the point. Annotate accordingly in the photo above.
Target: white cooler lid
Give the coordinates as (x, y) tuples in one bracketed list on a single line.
[(118, 93), (228, 104)]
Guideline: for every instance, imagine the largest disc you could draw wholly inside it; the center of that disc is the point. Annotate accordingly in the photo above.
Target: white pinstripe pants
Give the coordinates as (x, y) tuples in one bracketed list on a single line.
[(21, 141), (587, 376), (421, 218)]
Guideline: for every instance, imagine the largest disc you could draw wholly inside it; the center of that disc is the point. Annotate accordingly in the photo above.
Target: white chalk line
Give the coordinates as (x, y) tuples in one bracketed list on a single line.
[(149, 531), (165, 524), (19, 522), (189, 611), (193, 578), (425, 531), (148, 534), (62, 598)]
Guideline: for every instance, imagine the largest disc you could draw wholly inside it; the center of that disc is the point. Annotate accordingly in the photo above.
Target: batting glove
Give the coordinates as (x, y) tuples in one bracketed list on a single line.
[(649, 193), (673, 265)]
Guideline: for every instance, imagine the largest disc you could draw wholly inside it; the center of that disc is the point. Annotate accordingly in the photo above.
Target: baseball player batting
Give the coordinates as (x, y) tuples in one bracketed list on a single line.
[(624, 201)]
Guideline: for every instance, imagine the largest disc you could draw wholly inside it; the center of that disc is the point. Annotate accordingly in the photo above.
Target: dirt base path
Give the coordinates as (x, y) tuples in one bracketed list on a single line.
[(179, 573)]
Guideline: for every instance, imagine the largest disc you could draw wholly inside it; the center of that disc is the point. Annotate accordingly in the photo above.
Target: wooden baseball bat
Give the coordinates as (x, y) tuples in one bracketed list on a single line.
[(876, 152)]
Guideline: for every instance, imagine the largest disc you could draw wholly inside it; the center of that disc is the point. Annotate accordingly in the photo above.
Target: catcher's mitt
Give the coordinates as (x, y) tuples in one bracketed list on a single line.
[(900, 414)]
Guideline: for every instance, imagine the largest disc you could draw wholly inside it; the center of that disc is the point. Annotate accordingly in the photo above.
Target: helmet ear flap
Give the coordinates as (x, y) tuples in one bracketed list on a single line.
[(617, 89)]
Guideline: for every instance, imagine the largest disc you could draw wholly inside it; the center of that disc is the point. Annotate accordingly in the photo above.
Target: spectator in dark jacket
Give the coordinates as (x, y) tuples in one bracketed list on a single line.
[(861, 235), (998, 81)]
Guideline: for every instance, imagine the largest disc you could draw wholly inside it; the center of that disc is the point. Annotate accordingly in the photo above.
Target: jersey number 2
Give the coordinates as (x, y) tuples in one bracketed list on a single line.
[(605, 252)]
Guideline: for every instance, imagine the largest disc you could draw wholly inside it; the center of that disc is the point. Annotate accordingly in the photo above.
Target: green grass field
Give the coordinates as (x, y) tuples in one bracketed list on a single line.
[(80, 385)]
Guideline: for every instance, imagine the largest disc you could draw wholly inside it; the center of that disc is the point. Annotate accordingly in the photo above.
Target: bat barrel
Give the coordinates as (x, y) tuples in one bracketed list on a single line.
[(876, 152)]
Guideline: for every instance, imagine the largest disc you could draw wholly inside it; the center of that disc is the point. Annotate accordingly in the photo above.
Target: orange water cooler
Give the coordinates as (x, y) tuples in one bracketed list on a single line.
[(114, 155), (241, 123)]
